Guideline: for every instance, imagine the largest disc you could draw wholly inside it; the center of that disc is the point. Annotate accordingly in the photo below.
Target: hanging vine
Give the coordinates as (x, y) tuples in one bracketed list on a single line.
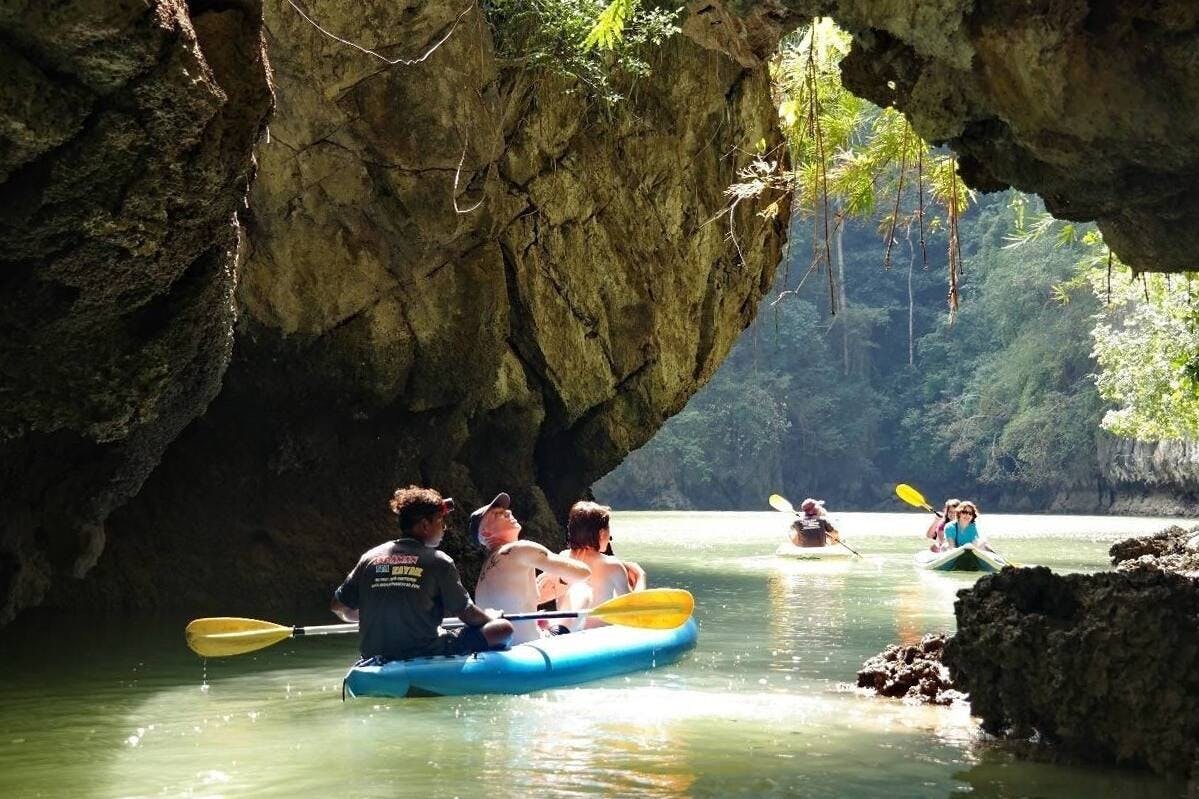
[(848, 152)]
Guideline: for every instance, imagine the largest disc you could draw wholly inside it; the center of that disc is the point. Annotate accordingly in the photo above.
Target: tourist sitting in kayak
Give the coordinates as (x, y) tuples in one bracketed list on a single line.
[(812, 528), (588, 534), (963, 531), (936, 530), (400, 590), (508, 580)]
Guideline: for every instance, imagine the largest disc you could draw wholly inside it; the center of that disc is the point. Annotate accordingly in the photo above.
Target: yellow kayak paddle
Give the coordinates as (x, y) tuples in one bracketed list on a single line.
[(653, 608), (913, 497)]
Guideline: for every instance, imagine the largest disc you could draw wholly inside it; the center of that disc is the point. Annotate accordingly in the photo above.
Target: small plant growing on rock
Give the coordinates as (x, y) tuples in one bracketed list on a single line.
[(595, 44)]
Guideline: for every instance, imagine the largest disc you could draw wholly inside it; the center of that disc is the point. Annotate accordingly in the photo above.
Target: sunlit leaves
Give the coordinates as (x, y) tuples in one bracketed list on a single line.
[(609, 25), (850, 158)]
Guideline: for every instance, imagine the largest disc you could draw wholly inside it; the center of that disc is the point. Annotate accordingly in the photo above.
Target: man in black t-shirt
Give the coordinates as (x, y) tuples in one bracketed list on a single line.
[(400, 591), (812, 528)]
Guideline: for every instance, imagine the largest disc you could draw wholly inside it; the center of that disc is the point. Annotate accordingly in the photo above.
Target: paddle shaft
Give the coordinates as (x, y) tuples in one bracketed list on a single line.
[(449, 624)]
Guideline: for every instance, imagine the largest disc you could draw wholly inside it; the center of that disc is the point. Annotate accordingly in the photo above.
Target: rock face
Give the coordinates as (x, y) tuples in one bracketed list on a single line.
[(1106, 665), (1090, 105), (913, 672), (1163, 476), (459, 274), (126, 136)]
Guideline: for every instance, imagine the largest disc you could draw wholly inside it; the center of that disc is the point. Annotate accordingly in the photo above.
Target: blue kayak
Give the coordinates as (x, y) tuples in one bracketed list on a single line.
[(533, 666)]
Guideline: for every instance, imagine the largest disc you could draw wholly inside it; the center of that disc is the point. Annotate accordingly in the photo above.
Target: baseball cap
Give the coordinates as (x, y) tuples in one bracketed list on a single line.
[(502, 500)]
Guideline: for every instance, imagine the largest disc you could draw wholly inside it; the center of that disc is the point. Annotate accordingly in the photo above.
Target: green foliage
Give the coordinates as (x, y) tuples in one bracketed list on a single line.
[(1146, 337), (596, 45), (1147, 347), (608, 30)]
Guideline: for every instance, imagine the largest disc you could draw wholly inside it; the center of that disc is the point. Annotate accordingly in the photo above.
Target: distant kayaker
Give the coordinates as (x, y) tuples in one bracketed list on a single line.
[(812, 528), (936, 530), (508, 580), (400, 590), (963, 531), (588, 533)]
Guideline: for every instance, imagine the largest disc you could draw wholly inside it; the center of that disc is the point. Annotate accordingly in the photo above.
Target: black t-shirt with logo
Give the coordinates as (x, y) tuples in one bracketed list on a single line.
[(402, 590), (812, 530)]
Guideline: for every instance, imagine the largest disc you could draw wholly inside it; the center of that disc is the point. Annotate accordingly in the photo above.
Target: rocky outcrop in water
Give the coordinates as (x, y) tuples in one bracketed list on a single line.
[(912, 671), (1104, 666), (1174, 550), (126, 136)]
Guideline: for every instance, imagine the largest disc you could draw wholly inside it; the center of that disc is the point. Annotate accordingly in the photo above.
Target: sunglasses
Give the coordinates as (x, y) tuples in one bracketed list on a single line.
[(965, 512)]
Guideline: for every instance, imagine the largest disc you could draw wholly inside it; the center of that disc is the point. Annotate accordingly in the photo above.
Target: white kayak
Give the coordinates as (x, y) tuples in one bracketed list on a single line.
[(789, 550), (966, 558)]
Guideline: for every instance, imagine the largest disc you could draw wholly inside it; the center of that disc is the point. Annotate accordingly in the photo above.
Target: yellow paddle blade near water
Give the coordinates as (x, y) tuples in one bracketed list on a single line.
[(228, 635), (911, 496), (780, 503), (653, 608)]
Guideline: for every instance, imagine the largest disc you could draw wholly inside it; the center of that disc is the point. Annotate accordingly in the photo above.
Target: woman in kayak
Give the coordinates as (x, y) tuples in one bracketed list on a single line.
[(936, 530), (963, 531), (812, 528), (588, 535)]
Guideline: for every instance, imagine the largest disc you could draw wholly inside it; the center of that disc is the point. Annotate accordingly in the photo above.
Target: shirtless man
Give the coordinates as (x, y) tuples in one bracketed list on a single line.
[(588, 535), (508, 580)]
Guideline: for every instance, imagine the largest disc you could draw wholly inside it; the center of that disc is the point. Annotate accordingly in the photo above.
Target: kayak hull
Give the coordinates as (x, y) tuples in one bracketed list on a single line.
[(534, 666), (834, 552), (967, 558)]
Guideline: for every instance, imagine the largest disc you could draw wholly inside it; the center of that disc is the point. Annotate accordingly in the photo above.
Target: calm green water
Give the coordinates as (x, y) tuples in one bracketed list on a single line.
[(763, 706)]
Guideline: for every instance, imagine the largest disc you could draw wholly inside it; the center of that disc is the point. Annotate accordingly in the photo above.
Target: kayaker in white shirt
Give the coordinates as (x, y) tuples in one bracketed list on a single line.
[(508, 580), (588, 534)]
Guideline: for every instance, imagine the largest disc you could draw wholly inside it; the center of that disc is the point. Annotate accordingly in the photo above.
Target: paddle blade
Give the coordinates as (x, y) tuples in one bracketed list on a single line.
[(226, 635), (653, 608), (911, 496), (780, 503)]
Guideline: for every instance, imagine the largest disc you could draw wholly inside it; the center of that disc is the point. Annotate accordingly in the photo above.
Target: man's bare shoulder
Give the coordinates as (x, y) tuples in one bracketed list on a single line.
[(522, 551)]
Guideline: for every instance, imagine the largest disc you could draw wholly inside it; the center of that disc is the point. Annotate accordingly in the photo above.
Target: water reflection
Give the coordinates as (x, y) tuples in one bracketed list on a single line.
[(807, 609), (921, 604)]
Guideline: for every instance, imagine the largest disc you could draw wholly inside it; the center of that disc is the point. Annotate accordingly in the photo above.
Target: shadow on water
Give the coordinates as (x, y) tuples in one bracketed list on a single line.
[(999, 774)]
